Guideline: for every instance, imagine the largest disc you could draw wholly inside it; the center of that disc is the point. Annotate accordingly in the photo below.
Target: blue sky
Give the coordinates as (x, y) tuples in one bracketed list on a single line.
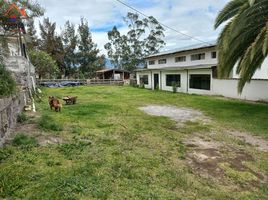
[(193, 17)]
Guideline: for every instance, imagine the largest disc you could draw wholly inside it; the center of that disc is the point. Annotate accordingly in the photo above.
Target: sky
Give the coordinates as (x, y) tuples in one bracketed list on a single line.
[(192, 17)]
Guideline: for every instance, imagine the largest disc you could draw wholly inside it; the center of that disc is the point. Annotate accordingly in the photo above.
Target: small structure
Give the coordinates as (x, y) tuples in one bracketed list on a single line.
[(114, 74)]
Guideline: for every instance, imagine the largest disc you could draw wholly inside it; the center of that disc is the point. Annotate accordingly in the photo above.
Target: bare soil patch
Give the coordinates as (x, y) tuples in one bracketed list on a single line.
[(256, 141), (180, 115), (207, 158)]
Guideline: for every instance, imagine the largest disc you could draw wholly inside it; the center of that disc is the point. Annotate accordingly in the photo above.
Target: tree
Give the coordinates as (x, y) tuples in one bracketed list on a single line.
[(44, 64), (69, 40), (244, 39), (145, 37), (51, 43), (88, 59), (31, 31)]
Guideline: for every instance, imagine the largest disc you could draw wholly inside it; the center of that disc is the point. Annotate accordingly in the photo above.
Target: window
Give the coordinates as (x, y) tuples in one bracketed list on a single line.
[(200, 56), (214, 54), (200, 81), (180, 59), (151, 62), (173, 79), (162, 61), (144, 79)]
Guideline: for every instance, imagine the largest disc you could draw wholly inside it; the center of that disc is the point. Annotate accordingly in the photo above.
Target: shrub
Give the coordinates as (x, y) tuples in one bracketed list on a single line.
[(48, 123), (22, 118), (7, 83), (24, 141), (175, 87)]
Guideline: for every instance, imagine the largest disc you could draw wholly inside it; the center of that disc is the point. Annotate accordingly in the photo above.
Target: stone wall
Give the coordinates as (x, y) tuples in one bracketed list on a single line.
[(10, 108)]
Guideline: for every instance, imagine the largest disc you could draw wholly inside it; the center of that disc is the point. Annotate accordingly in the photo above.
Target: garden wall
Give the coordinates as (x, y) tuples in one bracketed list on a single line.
[(10, 108)]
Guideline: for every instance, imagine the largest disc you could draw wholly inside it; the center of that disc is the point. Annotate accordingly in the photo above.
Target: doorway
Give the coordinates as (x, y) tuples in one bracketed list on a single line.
[(156, 81)]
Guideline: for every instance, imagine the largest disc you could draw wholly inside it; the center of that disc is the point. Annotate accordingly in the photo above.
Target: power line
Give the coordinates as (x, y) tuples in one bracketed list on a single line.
[(166, 26)]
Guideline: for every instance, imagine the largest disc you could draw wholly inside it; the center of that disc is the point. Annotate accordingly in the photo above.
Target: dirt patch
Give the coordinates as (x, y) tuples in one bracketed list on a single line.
[(207, 158), (31, 129), (180, 115), (258, 142)]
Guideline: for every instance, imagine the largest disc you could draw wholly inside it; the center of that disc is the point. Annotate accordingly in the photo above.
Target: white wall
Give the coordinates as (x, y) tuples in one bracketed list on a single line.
[(255, 91), (149, 85), (171, 59)]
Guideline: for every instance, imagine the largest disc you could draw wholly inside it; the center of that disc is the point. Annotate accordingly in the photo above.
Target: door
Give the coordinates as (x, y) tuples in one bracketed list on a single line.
[(156, 81)]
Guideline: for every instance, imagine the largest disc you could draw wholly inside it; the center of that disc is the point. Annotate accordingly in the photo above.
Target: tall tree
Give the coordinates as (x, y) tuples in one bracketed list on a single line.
[(145, 37), (31, 32), (244, 39), (69, 39), (88, 59), (51, 43)]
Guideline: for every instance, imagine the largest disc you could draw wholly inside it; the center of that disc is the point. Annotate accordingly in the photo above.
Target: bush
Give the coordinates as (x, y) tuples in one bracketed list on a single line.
[(48, 123), (22, 118), (24, 141), (175, 87), (7, 83)]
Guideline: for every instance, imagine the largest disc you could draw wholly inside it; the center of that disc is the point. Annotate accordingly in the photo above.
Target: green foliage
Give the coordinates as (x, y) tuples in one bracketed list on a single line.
[(22, 140), (175, 87), (145, 37), (244, 39), (5, 153), (22, 117), (7, 83), (48, 123), (72, 150), (88, 55), (44, 64)]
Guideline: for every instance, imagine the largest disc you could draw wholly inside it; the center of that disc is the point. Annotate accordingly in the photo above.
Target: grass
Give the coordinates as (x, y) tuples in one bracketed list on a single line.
[(112, 150)]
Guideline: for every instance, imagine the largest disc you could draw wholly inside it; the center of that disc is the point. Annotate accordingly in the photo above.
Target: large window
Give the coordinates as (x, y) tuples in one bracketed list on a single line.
[(162, 61), (144, 79), (173, 79), (200, 56), (151, 62), (200, 81), (180, 59)]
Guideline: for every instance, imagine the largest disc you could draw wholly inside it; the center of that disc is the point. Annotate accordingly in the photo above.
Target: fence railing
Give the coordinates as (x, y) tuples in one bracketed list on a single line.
[(81, 82)]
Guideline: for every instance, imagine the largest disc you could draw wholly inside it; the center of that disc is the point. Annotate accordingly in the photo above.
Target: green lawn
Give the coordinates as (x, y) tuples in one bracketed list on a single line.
[(112, 150)]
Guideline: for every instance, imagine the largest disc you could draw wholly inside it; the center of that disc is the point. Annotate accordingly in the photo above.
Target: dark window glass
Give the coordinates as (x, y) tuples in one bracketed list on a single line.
[(200, 56), (162, 61), (173, 79), (200, 81), (214, 72), (144, 79), (180, 59), (214, 54), (151, 62)]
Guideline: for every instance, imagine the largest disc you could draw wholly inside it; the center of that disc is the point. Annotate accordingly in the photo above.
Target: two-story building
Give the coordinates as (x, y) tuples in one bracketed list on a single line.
[(194, 70)]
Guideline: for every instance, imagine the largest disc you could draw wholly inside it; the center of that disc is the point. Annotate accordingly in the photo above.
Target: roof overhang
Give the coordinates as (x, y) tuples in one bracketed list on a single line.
[(176, 68)]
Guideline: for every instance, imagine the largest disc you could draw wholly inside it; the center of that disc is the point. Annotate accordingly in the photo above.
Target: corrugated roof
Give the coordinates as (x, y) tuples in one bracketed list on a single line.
[(183, 49)]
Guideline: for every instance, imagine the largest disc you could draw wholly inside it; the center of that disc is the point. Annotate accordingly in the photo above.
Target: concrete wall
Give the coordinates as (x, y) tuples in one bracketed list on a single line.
[(171, 59), (255, 91), (10, 108)]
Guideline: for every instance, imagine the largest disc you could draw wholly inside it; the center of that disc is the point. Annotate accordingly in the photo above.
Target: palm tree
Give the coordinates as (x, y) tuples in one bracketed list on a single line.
[(244, 39)]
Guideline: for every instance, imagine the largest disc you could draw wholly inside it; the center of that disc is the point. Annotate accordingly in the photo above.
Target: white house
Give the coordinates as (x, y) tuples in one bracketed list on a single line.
[(194, 70)]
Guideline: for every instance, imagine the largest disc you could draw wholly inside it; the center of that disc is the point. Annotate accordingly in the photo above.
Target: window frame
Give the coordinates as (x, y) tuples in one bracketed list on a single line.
[(198, 56), (170, 85), (147, 79), (177, 59), (203, 85), (214, 54), (160, 63), (151, 62)]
